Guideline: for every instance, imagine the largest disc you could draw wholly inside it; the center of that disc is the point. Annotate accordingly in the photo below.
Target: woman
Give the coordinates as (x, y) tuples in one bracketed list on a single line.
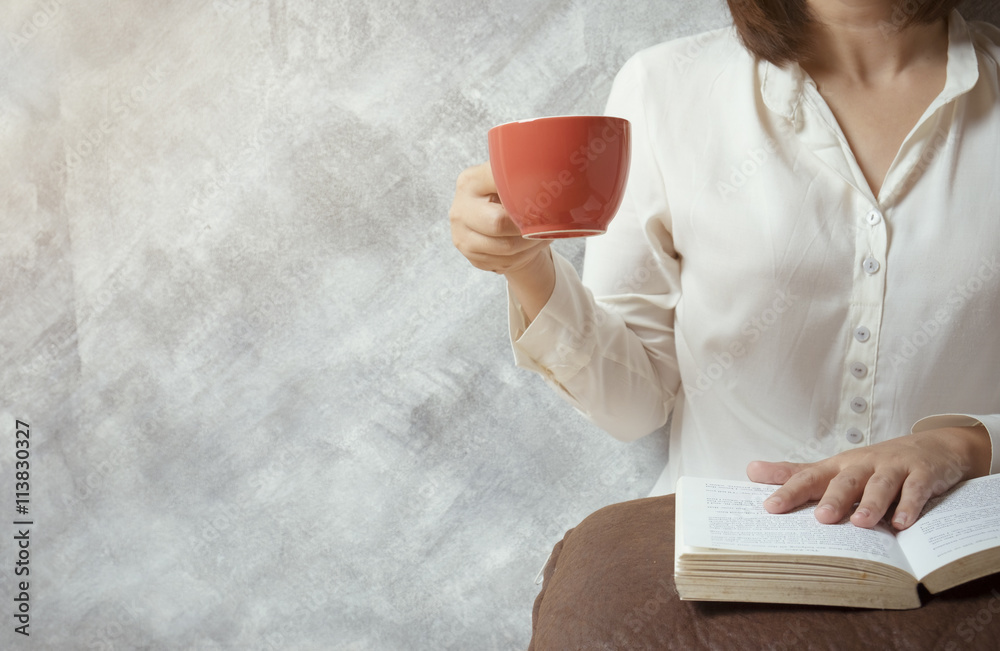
[(805, 266)]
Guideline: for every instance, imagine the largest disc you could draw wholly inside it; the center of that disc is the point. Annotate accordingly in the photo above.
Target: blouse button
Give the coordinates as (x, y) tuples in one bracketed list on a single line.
[(862, 334), (871, 266), (874, 217), (859, 405), (854, 435), (859, 370)]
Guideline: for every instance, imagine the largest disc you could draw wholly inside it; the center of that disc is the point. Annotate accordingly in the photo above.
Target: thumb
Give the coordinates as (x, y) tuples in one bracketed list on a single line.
[(772, 472)]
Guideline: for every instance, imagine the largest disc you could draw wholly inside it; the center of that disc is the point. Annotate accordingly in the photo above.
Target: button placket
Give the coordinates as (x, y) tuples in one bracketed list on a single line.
[(868, 292)]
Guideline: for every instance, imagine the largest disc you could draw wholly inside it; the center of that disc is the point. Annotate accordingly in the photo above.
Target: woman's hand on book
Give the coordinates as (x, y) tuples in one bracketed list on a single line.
[(911, 469)]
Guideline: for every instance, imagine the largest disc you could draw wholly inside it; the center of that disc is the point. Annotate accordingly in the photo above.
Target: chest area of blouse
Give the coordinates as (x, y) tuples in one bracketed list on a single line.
[(756, 202)]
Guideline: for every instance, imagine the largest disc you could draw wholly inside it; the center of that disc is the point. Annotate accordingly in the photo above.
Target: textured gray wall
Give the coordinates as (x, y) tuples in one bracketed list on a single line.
[(269, 405)]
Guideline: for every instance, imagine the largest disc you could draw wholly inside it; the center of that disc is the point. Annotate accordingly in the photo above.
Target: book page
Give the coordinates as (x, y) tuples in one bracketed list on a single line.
[(963, 521), (730, 515)]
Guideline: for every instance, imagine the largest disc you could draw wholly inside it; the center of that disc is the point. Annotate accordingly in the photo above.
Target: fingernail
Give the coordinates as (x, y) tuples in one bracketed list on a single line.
[(825, 508), (863, 512), (774, 501), (900, 520)]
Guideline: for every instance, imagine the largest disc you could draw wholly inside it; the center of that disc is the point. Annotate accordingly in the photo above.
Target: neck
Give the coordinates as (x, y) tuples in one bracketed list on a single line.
[(865, 41)]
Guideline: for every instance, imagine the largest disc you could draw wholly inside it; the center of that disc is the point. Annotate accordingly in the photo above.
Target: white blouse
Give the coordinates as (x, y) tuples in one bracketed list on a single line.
[(754, 285)]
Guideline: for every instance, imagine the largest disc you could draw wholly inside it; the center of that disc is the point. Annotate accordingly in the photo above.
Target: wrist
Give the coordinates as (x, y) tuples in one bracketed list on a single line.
[(533, 282), (977, 447)]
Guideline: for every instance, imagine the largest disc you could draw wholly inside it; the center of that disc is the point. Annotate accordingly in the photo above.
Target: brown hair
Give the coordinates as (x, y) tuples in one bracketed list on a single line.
[(775, 30)]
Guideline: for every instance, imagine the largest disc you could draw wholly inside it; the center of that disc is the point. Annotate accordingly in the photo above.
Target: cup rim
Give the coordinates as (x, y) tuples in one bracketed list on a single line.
[(560, 117)]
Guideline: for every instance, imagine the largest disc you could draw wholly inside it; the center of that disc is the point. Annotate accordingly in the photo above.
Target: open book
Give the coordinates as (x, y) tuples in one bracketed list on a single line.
[(728, 548)]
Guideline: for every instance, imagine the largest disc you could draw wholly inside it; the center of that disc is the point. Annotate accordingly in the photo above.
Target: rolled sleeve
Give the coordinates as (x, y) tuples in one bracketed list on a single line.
[(559, 342), (593, 359)]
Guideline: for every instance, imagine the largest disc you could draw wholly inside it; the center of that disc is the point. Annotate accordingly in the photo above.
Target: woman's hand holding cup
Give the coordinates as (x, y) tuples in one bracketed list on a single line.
[(484, 233), (482, 229), (557, 177)]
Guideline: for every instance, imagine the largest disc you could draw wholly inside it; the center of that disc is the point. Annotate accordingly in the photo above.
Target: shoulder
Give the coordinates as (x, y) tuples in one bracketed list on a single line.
[(684, 77), (686, 70), (690, 56), (986, 39)]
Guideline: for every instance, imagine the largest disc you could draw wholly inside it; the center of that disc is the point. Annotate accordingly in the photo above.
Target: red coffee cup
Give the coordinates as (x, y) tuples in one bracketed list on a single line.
[(561, 176)]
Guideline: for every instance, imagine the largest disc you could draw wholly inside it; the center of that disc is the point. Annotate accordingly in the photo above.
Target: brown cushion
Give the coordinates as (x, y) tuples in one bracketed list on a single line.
[(609, 584)]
